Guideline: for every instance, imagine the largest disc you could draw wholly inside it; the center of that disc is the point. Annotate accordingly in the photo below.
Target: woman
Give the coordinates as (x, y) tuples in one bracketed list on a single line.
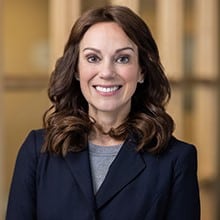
[(106, 151)]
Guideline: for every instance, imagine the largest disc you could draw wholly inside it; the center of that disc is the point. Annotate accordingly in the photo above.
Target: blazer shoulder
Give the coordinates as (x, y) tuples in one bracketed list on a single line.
[(177, 146), (34, 141), (182, 153)]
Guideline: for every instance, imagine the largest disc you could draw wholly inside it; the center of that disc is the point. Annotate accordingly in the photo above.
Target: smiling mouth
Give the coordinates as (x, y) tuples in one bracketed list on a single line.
[(107, 89)]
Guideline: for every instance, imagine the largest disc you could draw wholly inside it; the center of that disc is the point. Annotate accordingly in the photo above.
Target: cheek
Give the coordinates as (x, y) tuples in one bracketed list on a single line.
[(86, 70), (84, 81), (85, 89), (85, 77), (131, 75), (85, 73)]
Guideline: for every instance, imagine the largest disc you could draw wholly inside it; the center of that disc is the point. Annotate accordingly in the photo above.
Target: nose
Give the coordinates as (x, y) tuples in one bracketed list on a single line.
[(107, 70)]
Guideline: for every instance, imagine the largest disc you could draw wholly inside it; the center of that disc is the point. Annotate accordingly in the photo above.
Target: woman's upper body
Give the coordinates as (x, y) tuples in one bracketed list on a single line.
[(138, 185), (108, 88)]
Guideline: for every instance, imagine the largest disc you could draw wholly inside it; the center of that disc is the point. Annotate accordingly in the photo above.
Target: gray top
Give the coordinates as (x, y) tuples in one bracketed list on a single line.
[(101, 158)]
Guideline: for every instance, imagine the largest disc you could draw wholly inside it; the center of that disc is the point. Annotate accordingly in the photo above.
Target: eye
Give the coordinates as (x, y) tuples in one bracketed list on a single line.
[(93, 59), (122, 59)]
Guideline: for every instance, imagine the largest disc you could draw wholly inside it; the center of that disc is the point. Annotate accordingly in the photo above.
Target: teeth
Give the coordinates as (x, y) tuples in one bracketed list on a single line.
[(107, 89)]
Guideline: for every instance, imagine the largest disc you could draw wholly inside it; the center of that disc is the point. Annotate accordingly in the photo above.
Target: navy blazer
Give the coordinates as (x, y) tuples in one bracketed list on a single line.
[(138, 185)]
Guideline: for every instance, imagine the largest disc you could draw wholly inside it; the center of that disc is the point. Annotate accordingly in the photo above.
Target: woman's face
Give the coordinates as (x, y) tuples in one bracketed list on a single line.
[(108, 69)]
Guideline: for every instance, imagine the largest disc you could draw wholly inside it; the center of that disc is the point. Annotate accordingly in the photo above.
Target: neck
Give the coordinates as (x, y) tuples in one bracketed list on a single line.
[(107, 120), (98, 138), (104, 123)]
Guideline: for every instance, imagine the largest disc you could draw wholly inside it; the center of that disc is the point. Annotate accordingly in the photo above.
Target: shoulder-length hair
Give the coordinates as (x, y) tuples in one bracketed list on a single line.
[(67, 122)]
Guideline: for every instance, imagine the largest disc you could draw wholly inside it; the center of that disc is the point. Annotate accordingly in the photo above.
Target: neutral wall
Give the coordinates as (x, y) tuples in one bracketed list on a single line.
[(25, 68), (2, 173)]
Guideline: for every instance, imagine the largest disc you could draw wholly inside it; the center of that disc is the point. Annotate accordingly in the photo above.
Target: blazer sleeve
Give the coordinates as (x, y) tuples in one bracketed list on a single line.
[(184, 201), (22, 196)]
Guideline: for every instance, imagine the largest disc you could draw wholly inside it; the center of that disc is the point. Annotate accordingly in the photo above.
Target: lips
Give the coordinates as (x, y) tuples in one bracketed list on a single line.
[(107, 89)]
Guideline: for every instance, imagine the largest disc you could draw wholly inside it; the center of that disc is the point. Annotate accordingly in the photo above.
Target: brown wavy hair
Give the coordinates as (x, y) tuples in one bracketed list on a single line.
[(67, 123)]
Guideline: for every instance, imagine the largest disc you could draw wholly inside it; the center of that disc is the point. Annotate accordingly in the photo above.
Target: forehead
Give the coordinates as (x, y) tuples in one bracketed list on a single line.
[(101, 33)]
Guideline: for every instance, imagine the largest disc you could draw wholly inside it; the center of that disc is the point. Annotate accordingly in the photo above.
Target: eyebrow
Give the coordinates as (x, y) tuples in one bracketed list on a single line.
[(117, 51)]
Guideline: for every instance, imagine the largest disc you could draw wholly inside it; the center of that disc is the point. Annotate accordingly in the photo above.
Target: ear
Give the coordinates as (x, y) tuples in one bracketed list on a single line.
[(141, 81), (141, 78)]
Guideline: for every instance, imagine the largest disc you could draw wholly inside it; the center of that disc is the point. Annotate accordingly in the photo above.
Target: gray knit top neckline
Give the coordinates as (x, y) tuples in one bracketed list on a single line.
[(101, 157)]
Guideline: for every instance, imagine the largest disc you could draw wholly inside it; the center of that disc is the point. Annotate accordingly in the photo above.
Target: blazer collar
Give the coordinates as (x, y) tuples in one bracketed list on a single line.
[(80, 168), (125, 168)]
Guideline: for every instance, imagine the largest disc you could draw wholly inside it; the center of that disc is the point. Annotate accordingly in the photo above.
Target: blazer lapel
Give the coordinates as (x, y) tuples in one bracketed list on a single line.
[(125, 168), (80, 169)]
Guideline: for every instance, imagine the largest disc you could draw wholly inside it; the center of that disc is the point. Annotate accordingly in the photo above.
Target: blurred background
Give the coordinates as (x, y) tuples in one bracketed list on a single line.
[(32, 37)]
